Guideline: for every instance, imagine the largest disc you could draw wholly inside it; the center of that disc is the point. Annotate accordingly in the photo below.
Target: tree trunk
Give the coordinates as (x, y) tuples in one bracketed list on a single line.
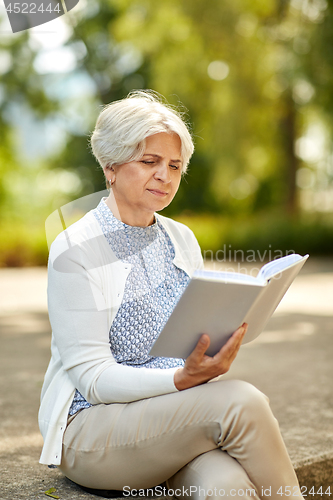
[(288, 132)]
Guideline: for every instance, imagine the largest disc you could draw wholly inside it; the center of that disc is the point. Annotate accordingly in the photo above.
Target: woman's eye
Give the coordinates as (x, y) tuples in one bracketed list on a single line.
[(146, 162), (175, 167)]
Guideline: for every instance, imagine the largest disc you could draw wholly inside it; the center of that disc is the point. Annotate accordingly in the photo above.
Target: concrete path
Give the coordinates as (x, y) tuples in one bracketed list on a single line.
[(291, 362)]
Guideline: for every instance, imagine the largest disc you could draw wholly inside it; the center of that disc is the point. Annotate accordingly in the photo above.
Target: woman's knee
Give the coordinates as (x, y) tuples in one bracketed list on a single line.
[(242, 404), (241, 393), (249, 395)]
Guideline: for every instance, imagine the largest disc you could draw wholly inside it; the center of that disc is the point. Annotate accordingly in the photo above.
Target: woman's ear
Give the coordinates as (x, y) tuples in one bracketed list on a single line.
[(110, 174)]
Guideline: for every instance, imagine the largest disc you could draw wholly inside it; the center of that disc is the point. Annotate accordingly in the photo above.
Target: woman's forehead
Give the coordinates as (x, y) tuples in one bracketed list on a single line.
[(163, 143)]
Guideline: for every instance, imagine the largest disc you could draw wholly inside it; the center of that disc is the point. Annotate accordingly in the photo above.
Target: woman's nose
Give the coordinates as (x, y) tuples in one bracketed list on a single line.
[(163, 172)]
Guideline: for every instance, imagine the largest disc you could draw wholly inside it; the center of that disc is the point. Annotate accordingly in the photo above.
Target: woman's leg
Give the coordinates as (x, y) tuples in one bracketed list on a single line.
[(212, 476), (142, 444)]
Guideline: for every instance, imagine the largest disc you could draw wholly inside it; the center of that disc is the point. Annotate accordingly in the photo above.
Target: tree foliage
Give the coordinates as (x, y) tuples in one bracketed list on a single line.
[(250, 73)]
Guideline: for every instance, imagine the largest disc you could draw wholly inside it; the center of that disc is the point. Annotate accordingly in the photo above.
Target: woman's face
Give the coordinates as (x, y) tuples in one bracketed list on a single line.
[(142, 187)]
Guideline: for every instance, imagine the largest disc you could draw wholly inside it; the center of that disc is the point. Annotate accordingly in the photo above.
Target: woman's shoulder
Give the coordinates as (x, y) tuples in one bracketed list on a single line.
[(81, 230), (78, 235), (69, 226)]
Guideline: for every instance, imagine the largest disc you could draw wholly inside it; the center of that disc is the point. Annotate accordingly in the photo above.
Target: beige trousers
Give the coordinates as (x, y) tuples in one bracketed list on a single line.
[(212, 441)]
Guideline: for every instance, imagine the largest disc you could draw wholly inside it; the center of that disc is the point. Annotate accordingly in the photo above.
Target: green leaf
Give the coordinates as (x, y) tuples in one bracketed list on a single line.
[(49, 493)]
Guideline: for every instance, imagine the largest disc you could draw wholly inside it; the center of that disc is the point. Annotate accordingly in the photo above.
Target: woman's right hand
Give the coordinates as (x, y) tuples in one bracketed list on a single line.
[(200, 368)]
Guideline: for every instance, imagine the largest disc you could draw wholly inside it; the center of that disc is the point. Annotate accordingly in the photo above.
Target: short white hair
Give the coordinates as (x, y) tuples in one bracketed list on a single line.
[(122, 127)]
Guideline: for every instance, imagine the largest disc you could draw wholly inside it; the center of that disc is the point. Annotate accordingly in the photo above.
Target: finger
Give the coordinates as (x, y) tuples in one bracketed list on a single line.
[(238, 335), (232, 346), (201, 347), (238, 338)]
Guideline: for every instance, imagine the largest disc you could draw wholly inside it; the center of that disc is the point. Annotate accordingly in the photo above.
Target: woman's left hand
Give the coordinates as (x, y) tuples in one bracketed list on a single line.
[(200, 368)]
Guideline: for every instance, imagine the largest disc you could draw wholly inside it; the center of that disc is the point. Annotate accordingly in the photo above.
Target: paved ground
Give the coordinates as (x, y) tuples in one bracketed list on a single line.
[(291, 362)]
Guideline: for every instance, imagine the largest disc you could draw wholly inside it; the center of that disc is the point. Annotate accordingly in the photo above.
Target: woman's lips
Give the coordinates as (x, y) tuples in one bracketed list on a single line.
[(157, 192)]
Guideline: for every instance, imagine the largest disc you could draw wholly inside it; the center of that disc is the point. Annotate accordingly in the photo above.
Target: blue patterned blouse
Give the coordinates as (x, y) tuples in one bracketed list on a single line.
[(152, 290)]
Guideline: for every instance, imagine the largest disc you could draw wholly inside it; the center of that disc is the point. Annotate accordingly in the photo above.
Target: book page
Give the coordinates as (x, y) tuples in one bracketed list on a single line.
[(274, 267)]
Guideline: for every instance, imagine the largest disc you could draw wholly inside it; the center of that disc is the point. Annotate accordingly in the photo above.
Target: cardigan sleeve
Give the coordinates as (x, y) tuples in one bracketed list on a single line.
[(80, 326)]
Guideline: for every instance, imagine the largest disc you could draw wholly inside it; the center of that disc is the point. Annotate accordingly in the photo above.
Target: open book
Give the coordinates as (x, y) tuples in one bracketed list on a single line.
[(217, 303)]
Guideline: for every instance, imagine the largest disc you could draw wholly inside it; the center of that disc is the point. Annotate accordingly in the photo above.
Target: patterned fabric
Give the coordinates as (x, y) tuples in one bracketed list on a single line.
[(152, 290)]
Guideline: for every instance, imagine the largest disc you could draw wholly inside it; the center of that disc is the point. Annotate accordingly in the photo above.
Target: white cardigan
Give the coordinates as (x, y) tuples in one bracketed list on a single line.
[(86, 284)]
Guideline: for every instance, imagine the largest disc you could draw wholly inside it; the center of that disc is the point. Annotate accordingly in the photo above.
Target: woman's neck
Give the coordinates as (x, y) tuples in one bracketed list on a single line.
[(129, 217)]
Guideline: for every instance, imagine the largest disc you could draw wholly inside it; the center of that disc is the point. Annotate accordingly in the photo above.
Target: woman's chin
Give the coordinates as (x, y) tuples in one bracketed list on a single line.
[(158, 204)]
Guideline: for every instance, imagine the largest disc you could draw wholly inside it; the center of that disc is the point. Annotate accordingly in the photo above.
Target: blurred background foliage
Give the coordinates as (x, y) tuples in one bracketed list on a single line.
[(256, 79)]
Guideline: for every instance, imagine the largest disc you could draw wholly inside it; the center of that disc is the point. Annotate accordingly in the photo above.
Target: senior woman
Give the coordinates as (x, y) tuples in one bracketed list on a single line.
[(113, 417)]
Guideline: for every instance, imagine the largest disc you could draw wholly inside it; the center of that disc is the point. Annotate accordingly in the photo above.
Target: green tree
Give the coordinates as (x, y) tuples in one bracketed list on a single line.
[(237, 66)]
